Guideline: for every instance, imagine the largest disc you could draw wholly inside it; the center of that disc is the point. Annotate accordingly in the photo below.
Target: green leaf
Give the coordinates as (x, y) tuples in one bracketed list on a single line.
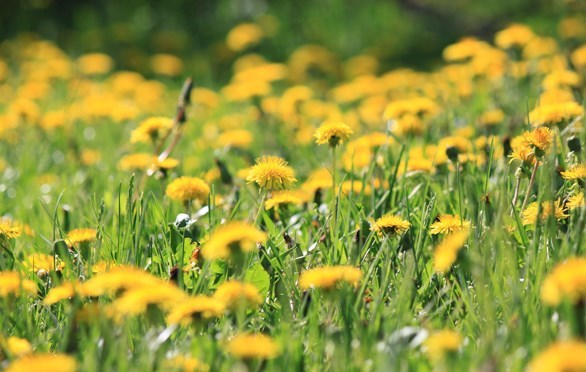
[(258, 277)]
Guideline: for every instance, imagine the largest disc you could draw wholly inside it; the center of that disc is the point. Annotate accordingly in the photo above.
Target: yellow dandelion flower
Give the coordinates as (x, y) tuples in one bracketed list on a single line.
[(194, 309), (44, 362), (186, 364), (566, 281), (441, 342), (447, 223), (138, 161), (187, 189), (238, 138), (18, 347), (492, 117), (329, 277), (136, 301), (9, 229), (233, 236), (235, 294), (271, 173), (12, 284), (286, 197), (63, 292), (41, 264), (531, 213), (332, 133), (576, 172), (446, 252), (101, 267), (166, 64), (576, 201), (555, 113), (390, 224), (151, 130), (562, 356), (540, 139), (522, 151), (94, 64), (117, 280), (244, 36), (514, 35), (80, 236), (252, 346)]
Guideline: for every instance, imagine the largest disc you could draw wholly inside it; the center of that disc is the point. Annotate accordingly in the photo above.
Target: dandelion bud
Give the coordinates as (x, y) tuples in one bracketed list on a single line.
[(452, 153), (574, 144)]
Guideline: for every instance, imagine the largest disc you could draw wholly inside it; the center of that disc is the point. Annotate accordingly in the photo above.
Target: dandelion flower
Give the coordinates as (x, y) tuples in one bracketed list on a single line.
[(271, 173), (63, 292), (12, 284), (566, 281), (286, 197), (539, 139), (136, 301), (514, 35), (390, 224), (117, 280), (561, 356), (441, 342), (151, 130), (576, 201), (332, 133), (244, 36), (531, 213), (446, 252), (328, 277), (195, 308), (186, 189), (18, 347), (252, 346), (555, 113), (576, 172), (42, 264), (80, 236), (44, 362), (231, 237), (186, 364), (447, 223), (9, 229), (235, 294)]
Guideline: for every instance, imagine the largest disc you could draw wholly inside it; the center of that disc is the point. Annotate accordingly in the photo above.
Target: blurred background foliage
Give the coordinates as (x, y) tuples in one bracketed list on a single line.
[(397, 32)]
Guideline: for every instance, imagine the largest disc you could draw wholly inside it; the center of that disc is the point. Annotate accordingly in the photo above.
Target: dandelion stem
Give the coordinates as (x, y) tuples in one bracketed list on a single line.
[(334, 220), (531, 182), (516, 193), (261, 205)]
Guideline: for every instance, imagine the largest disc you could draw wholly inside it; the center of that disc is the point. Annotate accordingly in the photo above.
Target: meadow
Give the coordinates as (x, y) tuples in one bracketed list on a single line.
[(314, 213)]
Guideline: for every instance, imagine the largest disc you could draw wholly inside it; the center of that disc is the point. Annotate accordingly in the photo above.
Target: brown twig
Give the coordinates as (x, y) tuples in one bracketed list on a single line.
[(180, 118)]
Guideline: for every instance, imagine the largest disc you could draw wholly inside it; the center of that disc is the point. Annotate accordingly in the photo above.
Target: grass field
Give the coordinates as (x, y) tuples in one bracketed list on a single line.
[(316, 213)]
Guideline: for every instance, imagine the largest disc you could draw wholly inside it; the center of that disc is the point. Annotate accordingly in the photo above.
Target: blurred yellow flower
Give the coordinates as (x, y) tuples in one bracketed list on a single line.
[(195, 309), (11, 283), (332, 133), (151, 129), (328, 277), (166, 64), (252, 346), (231, 237), (43, 362), (566, 281), (562, 356), (80, 236), (235, 294), (441, 342), (446, 252), (94, 64), (244, 36)]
